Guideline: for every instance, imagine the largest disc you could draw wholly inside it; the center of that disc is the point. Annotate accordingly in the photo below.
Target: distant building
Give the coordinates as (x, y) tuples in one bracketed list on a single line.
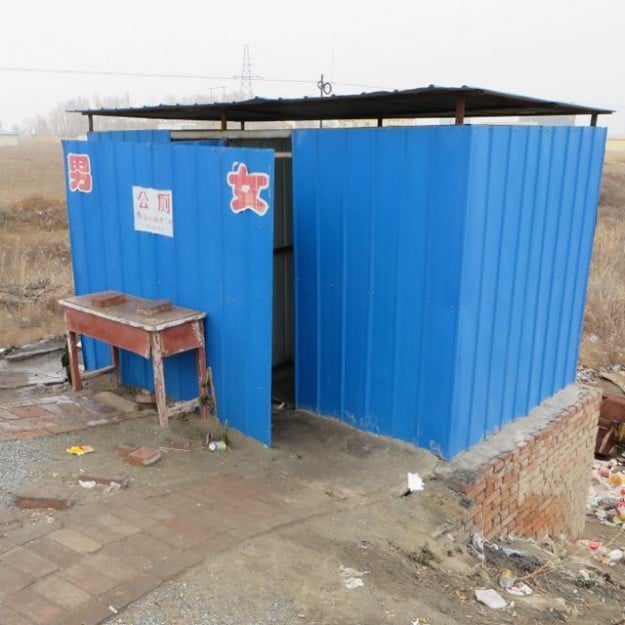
[(8, 138)]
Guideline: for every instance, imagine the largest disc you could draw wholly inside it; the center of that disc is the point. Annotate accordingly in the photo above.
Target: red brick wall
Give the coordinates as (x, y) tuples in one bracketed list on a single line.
[(531, 478)]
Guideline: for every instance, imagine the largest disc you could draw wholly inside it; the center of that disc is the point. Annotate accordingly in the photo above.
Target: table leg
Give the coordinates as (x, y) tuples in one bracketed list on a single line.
[(115, 363), (201, 373), (159, 379), (72, 353)]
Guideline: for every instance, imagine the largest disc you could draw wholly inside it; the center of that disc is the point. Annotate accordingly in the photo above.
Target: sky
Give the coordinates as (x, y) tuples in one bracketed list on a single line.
[(569, 50)]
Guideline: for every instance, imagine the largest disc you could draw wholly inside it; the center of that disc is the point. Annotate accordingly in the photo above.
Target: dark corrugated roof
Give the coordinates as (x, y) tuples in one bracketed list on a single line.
[(425, 102)]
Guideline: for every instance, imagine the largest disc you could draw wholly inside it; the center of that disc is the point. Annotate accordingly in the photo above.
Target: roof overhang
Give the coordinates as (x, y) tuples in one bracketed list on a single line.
[(427, 102)]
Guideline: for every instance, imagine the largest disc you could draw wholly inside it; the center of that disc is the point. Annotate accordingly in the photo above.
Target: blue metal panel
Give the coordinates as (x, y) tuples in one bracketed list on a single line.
[(217, 261), (131, 136), (530, 215), (373, 211), (440, 273)]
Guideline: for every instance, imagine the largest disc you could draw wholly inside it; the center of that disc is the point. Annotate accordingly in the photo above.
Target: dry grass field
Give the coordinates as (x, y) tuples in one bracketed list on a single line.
[(35, 268)]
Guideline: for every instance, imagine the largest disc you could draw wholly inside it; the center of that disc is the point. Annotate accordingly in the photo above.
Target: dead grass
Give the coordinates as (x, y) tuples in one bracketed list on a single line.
[(35, 265), (603, 341)]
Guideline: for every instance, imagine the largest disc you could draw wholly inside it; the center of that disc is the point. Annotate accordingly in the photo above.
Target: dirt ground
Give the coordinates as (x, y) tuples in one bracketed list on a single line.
[(406, 551)]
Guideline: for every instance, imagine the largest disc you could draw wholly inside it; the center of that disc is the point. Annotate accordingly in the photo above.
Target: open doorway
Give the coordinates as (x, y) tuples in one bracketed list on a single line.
[(283, 333), (283, 391)]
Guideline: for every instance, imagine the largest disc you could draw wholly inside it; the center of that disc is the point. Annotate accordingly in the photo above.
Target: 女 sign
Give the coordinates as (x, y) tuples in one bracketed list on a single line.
[(154, 210), (246, 188)]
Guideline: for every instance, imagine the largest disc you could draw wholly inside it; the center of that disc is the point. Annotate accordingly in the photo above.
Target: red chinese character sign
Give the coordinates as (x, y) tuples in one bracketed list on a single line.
[(79, 173), (154, 210), (246, 188)]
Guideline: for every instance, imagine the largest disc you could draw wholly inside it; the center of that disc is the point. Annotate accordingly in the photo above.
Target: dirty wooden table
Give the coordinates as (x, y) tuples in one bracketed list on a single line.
[(113, 318)]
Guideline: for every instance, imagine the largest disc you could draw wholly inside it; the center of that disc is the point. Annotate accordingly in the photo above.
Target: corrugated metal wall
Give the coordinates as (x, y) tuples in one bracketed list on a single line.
[(283, 296), (217, 261), (440, 273), (531, 210)]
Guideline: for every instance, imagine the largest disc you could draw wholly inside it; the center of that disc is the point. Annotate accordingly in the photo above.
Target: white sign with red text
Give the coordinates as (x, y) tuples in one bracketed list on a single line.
[(154, 210)]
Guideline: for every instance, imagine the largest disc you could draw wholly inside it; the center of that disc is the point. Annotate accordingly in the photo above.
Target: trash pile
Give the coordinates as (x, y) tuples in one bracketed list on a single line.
[(606, 497)]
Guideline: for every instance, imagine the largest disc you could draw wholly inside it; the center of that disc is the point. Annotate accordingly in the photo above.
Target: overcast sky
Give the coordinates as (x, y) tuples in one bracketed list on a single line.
[(570, 50)]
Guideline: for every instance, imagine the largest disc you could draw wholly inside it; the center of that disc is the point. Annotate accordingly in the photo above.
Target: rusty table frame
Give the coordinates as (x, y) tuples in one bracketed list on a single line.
[(154, 337)]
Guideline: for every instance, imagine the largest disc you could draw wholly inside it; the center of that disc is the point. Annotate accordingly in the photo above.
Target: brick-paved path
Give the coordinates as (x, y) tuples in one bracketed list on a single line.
[(61, 413), (69, 572), (108, 554)]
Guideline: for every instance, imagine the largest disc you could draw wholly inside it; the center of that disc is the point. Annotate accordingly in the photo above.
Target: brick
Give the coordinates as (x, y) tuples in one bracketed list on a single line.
[(75, 540), (12, 579), (107, 298), (54, 551), (151, 509), (170, 567), (131, 590), (117, 525), (44, 496), (118, 481), (6, 514), (113, 567), (123, 450), (88, 578), (61, 592), (33, 411), (144, 456), (38, 609), (28, 562), (94, 613), (154, 307), (9, 617)]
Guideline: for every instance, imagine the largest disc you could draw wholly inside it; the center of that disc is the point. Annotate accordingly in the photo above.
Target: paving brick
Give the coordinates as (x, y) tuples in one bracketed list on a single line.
[(44, 496), (124, 449), (125, 551), (38, 609), (88, 578), (151, 508), (164, 534), (117, 525), (6, 514), (10, 617), (12, 579), (189, 527), (30, 411), (172, 566), (131, 590), (61, 592), (28, 562), (54, 551), (28, 533), (144, 456), (94, 613), (110, 566), (130, 514), (75, 540), (5, 414)]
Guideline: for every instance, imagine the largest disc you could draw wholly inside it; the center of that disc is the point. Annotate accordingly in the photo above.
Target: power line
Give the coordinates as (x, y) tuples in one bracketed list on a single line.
[(79, 72)]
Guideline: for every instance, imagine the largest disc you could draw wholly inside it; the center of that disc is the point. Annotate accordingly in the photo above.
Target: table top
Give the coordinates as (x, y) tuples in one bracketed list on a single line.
[(126, 312)]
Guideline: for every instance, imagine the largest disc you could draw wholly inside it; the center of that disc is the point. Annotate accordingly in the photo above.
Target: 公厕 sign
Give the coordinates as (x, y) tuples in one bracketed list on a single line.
[(153, 210)]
